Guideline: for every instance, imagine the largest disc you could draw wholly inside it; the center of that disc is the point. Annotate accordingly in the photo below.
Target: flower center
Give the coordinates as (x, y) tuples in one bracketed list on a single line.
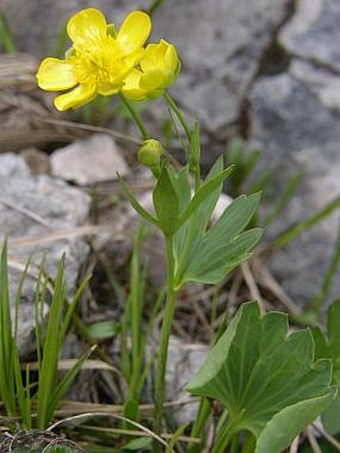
[(100, 62)]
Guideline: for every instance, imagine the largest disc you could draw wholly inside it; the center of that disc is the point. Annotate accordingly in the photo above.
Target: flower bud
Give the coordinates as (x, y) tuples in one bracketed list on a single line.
[(149, 154)]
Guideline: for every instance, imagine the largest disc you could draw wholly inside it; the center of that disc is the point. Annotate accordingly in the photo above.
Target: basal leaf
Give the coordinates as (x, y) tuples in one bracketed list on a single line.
[(257, 370), (330, 348), (331, 416), (286, 425)]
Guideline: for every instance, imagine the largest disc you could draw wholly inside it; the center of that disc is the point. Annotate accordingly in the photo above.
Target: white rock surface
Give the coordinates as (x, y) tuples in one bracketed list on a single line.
[(93, 160)]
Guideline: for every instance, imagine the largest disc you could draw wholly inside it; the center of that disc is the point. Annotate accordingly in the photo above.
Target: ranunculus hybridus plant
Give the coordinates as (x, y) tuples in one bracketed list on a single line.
[(106, 62)]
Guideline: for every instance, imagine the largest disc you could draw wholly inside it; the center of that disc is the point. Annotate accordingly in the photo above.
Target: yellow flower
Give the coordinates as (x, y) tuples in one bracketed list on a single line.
[(159, 68), (99, 60)]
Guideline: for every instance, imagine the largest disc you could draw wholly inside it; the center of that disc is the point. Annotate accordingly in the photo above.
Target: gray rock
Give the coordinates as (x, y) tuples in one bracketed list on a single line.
[(184, 360), (297, 130), (220, 47), (93, 160), (314, 32), (324, 84), (31, 209)]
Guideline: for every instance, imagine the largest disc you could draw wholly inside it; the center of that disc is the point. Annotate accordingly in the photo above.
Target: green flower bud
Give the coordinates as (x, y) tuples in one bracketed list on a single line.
[(149, 154)]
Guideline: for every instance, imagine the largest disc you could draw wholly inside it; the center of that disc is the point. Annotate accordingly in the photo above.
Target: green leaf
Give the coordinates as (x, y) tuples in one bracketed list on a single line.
[(181, 183), (138, 444), (286, 425), (180, 430), (6, 37), (190, 233), (224, 246), (103, 330), (257, 370), (166, 203), (136, 205), (295, 230), (210, 265), (331, 416), (287, 195), (52, 344), (206, 190), (131, 409), (62, 387), (7, 389), (330, 348), (195, 154)]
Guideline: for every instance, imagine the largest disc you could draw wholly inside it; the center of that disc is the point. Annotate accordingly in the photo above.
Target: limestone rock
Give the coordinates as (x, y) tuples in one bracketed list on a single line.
[(220, 47), (85, 162), (31, 209), (184, 360), (298, 131), (314, 33)]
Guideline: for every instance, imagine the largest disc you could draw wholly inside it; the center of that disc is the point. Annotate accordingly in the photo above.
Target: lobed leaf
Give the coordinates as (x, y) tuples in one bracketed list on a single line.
[(224, 246), (205, 190), (190, 233), (259, 371)]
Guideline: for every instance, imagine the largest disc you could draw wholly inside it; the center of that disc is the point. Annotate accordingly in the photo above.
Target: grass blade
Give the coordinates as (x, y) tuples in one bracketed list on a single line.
[(7, 387), (295, 230), (292, 185), (6, 38), (49, 364), (65, 383), (329, 277)]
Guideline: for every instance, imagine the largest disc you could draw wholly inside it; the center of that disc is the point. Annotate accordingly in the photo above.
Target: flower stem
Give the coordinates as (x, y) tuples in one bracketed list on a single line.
[(137, 119), (164, 342), (178, 112), (154, 6)]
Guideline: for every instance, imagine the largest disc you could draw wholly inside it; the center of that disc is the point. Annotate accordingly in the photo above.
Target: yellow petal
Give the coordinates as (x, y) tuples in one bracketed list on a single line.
[(134, 31), (171, 60), (152, 80), (54, 75), (81, 95), (87, 25), (131, 88), (154, 55), (133, 58), (107, 89)]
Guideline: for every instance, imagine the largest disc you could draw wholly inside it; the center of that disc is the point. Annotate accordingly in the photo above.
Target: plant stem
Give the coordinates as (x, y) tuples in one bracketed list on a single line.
[(164, 342), (178, 112), (226, 434), (154, 6), (234, 443), (198, 428), (137, 119)]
